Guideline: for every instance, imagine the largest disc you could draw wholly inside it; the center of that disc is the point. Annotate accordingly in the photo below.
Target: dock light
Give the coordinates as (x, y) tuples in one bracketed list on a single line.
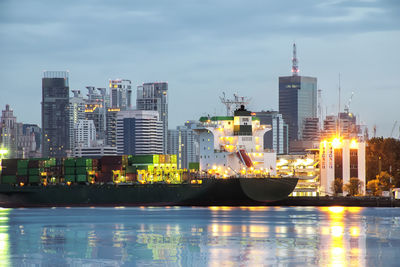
[(68, 183), (21, 184)]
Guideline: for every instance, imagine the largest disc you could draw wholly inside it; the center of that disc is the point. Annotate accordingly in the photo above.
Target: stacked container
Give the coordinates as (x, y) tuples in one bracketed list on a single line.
[(69, 170), (8, 171), (22, 171), (35, 169), (83, 167), (108, 165)]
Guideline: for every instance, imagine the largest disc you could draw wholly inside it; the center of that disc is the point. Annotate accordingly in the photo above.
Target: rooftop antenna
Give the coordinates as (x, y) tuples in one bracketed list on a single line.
[(339, 109), (295, 62)]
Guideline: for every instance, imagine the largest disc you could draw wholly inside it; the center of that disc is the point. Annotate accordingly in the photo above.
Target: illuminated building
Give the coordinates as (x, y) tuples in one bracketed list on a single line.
[(234, 145), (8, 130), (139, 132), (55, 114), (277, 138), (97, 148), (154, 96), (297, 100), (95, 110), (343, 159), (183, 142), (120, 94), (347, 125)]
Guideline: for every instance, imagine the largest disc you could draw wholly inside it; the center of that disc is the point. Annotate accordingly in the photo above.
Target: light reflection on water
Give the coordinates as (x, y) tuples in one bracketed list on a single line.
[(214, 236)]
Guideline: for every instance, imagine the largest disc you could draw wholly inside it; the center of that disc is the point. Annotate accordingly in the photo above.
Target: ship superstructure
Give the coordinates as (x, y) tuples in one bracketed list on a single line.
[(234, 146)]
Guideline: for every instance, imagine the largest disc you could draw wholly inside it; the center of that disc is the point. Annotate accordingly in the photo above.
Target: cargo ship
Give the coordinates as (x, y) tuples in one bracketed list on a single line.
[(233, 169)]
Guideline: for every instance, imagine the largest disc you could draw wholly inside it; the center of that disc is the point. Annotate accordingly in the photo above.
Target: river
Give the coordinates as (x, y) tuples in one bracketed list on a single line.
[(209, 236)]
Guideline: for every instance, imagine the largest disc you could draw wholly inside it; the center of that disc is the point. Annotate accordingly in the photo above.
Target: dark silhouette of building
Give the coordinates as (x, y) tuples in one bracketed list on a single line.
[(55, 114)]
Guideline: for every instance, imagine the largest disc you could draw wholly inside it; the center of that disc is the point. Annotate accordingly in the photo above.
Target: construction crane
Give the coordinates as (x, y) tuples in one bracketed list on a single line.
[(347, 107), (394, 126), (236, 102)]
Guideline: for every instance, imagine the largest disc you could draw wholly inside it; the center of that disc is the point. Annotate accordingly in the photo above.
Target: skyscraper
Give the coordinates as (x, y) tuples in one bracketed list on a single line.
[(8, 132), (183, 142), (277, 138), (297, 99), (55, 114), (76, 113), (153, 96), (139, 132), (120, 94)]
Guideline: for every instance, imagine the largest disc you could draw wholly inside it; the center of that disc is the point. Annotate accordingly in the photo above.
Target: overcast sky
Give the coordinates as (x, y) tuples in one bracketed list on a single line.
[(203, 48)]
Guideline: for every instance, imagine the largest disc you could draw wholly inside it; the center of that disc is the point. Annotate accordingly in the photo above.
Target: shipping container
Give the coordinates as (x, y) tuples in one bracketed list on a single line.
[(174, 159), (142, 159), (22, 172), (167, 159), (194, 166), (51, 162), (22, 164), (35, 163), (83, 162), (8, 179), (81, 178), (34, 179), (35, 171), (162, 159), (130, 169), (69, 170), (111, 160), (69, 162), (82, 170)]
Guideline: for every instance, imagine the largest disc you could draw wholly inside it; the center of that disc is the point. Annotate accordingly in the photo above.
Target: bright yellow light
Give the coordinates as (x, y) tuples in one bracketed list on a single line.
[(3, 151), (355, 231), (336, 143), (337, 230), (353, 144), (336, 209)]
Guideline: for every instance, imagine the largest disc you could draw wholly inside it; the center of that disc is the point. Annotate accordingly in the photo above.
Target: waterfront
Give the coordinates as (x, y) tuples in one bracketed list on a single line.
[(213, 236)]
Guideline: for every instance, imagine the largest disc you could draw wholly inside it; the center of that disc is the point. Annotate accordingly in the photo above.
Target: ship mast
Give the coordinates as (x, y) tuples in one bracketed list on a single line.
[(236, 102)]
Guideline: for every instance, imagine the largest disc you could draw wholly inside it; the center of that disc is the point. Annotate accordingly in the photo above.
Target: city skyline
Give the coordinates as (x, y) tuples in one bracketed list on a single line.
[(202, 52)]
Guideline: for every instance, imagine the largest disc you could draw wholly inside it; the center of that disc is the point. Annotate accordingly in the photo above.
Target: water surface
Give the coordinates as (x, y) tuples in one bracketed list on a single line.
[(214, 236)]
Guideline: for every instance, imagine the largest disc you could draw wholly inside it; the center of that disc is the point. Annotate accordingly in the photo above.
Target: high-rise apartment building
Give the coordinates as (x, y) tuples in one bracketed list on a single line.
[(120, 94), (55, 114), (76, 112), (277, 138), (8, 132), (297, 99), (139, 132), (154, 96), (95, 110), (183, 142), (111, 130), (84, 133)]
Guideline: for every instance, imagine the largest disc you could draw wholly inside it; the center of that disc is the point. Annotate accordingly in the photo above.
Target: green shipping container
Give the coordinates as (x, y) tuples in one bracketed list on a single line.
[(8, 179), (22, 164), (70, 162), (81, 178), (34, 179), (142, 159), (70, 178), (69, 171), (83, 162), (22, 171), (35, 171), (130, 169), (194, 166), (82, 170), (173, 159)]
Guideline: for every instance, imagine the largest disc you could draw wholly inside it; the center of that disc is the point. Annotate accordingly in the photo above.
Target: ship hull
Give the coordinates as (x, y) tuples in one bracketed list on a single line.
[(232, 192)]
